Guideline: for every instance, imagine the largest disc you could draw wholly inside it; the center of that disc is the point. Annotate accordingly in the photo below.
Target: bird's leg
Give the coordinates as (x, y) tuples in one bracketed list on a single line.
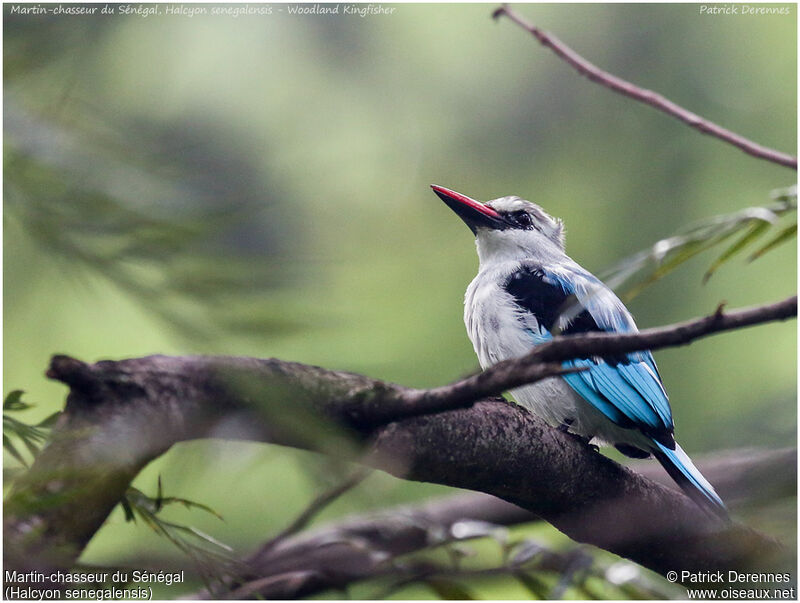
[(586, 441)]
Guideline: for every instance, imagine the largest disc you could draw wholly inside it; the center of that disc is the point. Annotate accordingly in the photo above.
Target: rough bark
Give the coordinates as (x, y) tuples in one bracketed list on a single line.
[(362, 547), (120, 415)]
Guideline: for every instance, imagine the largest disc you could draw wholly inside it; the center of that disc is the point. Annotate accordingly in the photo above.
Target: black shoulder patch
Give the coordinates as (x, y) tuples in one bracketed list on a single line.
[(546, 300), (536, 293)]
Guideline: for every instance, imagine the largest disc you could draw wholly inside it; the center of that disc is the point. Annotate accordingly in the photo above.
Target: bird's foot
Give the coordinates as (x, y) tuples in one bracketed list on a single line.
[(564, 428), (586, 441)]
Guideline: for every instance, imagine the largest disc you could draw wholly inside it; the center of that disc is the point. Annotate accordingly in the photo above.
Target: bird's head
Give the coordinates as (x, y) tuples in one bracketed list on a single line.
[(507, 227)]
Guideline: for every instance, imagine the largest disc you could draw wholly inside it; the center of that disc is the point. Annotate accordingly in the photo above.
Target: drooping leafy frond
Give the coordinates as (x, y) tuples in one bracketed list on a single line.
[(16, 432), (214, 559), (751, 225)]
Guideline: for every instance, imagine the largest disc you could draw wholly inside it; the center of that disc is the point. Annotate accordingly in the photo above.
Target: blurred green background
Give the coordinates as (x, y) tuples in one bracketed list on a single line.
[(259, 186)]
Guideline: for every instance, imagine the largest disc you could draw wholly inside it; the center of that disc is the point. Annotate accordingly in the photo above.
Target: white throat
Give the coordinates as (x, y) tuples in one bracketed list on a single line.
[(500, 246)]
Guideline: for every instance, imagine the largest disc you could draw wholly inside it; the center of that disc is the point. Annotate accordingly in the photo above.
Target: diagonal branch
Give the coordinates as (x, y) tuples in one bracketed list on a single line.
[(120, 415), (316, 506), (361, 547), (648, 97), (526, 369)]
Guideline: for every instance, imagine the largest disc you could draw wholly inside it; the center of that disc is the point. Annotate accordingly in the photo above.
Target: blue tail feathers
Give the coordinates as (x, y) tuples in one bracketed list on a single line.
[(680, 467)]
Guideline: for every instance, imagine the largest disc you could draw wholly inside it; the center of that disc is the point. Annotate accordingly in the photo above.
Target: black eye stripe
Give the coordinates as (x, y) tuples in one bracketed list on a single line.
[(521, 218)]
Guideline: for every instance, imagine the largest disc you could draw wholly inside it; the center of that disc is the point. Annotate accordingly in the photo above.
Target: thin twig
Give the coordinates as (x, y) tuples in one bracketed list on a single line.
[(316, 506), (617, 84), (165, 400), (677, 334), (526, 369), (366, 543)]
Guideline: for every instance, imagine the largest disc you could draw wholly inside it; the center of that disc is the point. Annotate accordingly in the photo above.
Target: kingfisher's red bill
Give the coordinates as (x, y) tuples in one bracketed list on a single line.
[(474, 213)]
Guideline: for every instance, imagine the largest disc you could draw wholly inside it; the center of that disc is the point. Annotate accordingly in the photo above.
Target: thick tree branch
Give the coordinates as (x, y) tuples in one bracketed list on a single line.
[(121, 415), (362, 547), (617, 84), (99, 448)]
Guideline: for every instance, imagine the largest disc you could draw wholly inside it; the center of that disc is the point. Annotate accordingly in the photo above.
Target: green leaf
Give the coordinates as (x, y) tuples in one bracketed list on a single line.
[(30, 443), (190, 504), (126, 507), (457, 552), (784, 235), (49, 421), (14, 401), (166, 256), (12, 450), (756, 230), (31, 436), (154, 505), (159, 501), (449, 589), (536, 587), (214, 560), (651, 264), (590, 591), (208, 538)]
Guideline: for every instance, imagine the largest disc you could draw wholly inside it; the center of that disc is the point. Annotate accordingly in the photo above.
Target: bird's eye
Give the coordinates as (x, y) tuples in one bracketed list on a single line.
[(522, 218)]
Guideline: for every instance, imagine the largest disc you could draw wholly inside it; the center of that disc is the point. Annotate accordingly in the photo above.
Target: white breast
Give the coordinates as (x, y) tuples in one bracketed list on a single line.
[(498, 330), (493, 319)]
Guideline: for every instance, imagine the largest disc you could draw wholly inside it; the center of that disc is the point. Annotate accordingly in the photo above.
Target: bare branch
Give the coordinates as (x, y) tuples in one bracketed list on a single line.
[(361, 547), (526, 369), (121, 415), (648, 97), (149, 404), (316, 506)]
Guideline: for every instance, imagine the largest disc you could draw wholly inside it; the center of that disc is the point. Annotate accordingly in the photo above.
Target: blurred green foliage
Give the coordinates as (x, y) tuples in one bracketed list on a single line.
[(642, 269), (32, 437), (212, 559), (259, 186)]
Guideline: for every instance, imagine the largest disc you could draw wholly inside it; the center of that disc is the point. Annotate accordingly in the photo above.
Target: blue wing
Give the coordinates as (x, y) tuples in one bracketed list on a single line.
[(627, 388)]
